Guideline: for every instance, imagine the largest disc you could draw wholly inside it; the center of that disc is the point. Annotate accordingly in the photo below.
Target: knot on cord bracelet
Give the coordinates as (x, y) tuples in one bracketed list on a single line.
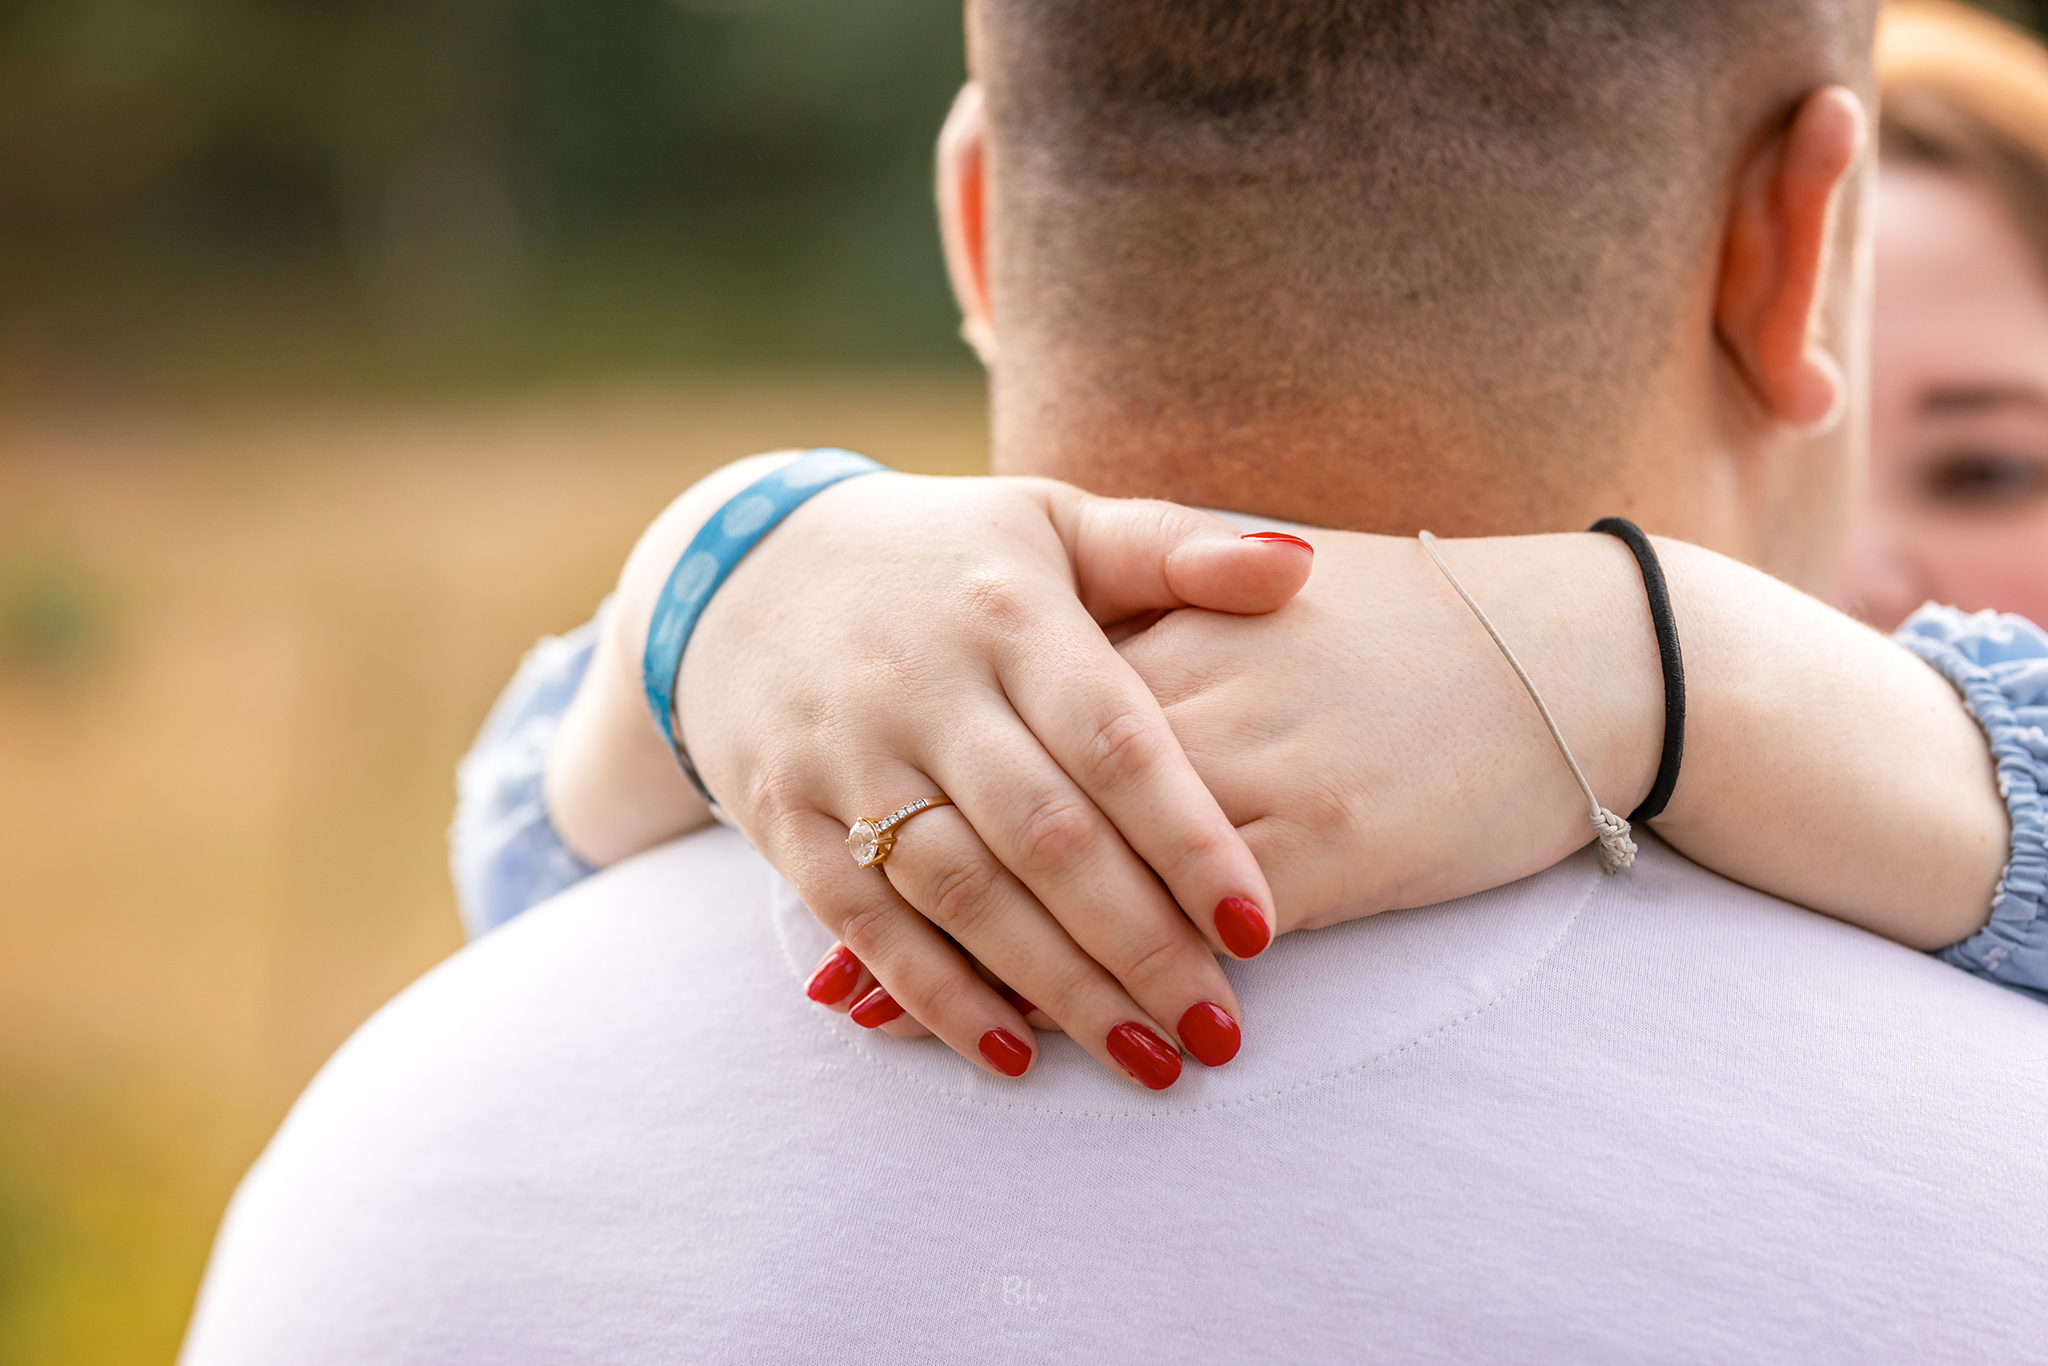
[(1617, 849)]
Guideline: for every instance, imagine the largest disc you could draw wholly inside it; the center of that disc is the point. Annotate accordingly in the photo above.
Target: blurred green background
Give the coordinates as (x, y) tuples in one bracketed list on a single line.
[(345, 345), (305, 195)]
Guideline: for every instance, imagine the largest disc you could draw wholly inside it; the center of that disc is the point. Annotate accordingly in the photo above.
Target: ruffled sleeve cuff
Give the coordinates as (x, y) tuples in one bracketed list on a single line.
[(503, 849), (2000, 665)]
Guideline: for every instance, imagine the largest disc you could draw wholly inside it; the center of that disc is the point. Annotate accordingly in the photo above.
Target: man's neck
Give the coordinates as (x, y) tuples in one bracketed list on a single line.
[(1690, 462), (1375, 471)]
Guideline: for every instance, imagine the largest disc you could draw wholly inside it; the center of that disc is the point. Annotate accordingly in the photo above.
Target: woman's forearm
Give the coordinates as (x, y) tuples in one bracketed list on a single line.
[(1381, 754), (613, 788), (1826, 764)]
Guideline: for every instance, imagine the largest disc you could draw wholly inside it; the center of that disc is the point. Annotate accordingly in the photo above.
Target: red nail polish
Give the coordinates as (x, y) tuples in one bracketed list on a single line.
[(834, 977), (1022, 1006), (876, 1008), (1210, 1034), (1277, 536), (1153, 1061), (1005, 1052), (1241, 928)]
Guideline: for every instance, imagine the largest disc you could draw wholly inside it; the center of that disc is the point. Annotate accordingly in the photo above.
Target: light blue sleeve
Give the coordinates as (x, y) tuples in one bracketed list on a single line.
[(2000, 665), (502, 848)]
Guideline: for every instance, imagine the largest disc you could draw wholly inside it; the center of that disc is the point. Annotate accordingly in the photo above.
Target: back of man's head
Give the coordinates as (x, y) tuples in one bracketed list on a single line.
[(1483, 213)]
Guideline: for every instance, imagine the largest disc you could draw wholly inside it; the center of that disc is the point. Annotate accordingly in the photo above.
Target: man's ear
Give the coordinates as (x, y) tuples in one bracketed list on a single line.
[(1774, 260), (963, 219)]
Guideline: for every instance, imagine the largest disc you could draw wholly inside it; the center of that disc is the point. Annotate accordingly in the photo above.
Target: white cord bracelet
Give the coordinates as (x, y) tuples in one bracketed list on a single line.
[(1617, 850)]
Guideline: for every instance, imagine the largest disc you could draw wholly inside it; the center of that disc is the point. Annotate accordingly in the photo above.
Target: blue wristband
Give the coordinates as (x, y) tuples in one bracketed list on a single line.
[(723, 542)]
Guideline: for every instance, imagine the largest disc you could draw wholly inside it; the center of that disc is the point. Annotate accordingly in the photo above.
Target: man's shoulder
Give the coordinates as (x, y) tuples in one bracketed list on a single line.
[(1802, 998), (674, 935), (417, 1157), (1734, 932), (618, 1122), (612, 946)]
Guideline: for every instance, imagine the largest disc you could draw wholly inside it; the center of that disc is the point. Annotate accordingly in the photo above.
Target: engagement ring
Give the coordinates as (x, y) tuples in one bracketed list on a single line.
[(871, 840)]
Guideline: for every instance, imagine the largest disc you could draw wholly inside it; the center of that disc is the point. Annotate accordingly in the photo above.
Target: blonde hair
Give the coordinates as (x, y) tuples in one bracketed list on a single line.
[(1967, 92)]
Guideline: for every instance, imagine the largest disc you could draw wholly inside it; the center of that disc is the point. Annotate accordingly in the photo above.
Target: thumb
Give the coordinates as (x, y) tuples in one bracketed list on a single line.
[(1132, 556)]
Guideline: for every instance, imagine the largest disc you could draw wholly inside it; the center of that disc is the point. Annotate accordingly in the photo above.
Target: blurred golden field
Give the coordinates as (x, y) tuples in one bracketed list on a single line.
[(240, 653)]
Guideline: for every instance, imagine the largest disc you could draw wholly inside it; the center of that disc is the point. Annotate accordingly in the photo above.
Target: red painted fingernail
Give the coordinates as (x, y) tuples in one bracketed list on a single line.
[(834, 977), (1210, 1034), (1022, 1006), (1153, 1061), (876, 1008), (1005, 1052), (1241, 928), (1277, 536)]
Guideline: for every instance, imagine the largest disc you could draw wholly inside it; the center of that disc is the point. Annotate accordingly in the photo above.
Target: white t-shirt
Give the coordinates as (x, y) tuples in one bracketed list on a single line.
[(1650, 1117)]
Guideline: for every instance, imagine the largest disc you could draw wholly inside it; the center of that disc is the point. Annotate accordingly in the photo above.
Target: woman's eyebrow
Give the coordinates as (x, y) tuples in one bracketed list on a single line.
[(1955, 399)]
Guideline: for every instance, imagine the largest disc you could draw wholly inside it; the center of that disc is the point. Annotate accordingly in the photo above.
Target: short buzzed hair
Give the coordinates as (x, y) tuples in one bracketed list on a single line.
[(1489, 202)]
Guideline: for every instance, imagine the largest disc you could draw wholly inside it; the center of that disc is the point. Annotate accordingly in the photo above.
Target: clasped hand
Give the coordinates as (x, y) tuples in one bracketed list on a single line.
[(902, 637), (1140, 718)]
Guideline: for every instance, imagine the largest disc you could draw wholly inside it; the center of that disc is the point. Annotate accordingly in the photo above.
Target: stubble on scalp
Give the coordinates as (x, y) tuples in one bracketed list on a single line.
[(1475, 218)]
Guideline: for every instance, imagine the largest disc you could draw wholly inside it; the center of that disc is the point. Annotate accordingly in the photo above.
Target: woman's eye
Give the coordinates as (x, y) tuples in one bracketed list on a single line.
[(1985, 479)]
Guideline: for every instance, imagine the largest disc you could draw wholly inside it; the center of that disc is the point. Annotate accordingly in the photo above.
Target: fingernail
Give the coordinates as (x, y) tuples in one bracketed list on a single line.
[(1210, 1034), (1022, 1006), (834, 977), (1151, 1060), (1277, 536), (876, 1008), (1005, 1052), (1241, 928)]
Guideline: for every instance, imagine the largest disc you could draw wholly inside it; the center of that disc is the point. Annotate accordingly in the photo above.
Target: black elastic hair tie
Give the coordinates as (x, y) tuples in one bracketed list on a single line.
[(1631, 535)]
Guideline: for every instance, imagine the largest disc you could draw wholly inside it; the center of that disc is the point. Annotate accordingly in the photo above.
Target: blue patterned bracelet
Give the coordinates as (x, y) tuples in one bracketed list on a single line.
[(721, 544)]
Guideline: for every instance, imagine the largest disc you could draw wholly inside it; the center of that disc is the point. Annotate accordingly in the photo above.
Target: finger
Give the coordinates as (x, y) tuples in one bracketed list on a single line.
[(841, 981), (1067, 859), (1134, 555), (1108, 739), (943, 868), (916, 973)]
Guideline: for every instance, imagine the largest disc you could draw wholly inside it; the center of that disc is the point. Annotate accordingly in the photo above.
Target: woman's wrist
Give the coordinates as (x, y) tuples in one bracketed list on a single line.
[(1573, 608), (720, 544), (1607, 640), (1824, 764), (612, 785)]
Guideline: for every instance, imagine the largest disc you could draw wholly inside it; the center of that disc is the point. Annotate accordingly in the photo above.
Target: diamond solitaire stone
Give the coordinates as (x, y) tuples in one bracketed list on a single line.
[(871, 840)]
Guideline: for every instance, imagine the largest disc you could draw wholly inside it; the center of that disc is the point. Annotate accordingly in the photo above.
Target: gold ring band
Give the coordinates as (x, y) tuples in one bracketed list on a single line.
[(871, 838)]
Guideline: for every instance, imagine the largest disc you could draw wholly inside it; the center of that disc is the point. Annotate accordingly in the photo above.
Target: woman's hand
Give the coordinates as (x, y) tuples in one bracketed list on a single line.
[(901, 637), (1373, 746)]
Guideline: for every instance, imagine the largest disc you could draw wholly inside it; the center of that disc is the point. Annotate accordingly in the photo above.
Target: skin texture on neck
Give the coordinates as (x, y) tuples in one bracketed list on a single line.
[(1697, 462), (1381, 461), (1699, 457)]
